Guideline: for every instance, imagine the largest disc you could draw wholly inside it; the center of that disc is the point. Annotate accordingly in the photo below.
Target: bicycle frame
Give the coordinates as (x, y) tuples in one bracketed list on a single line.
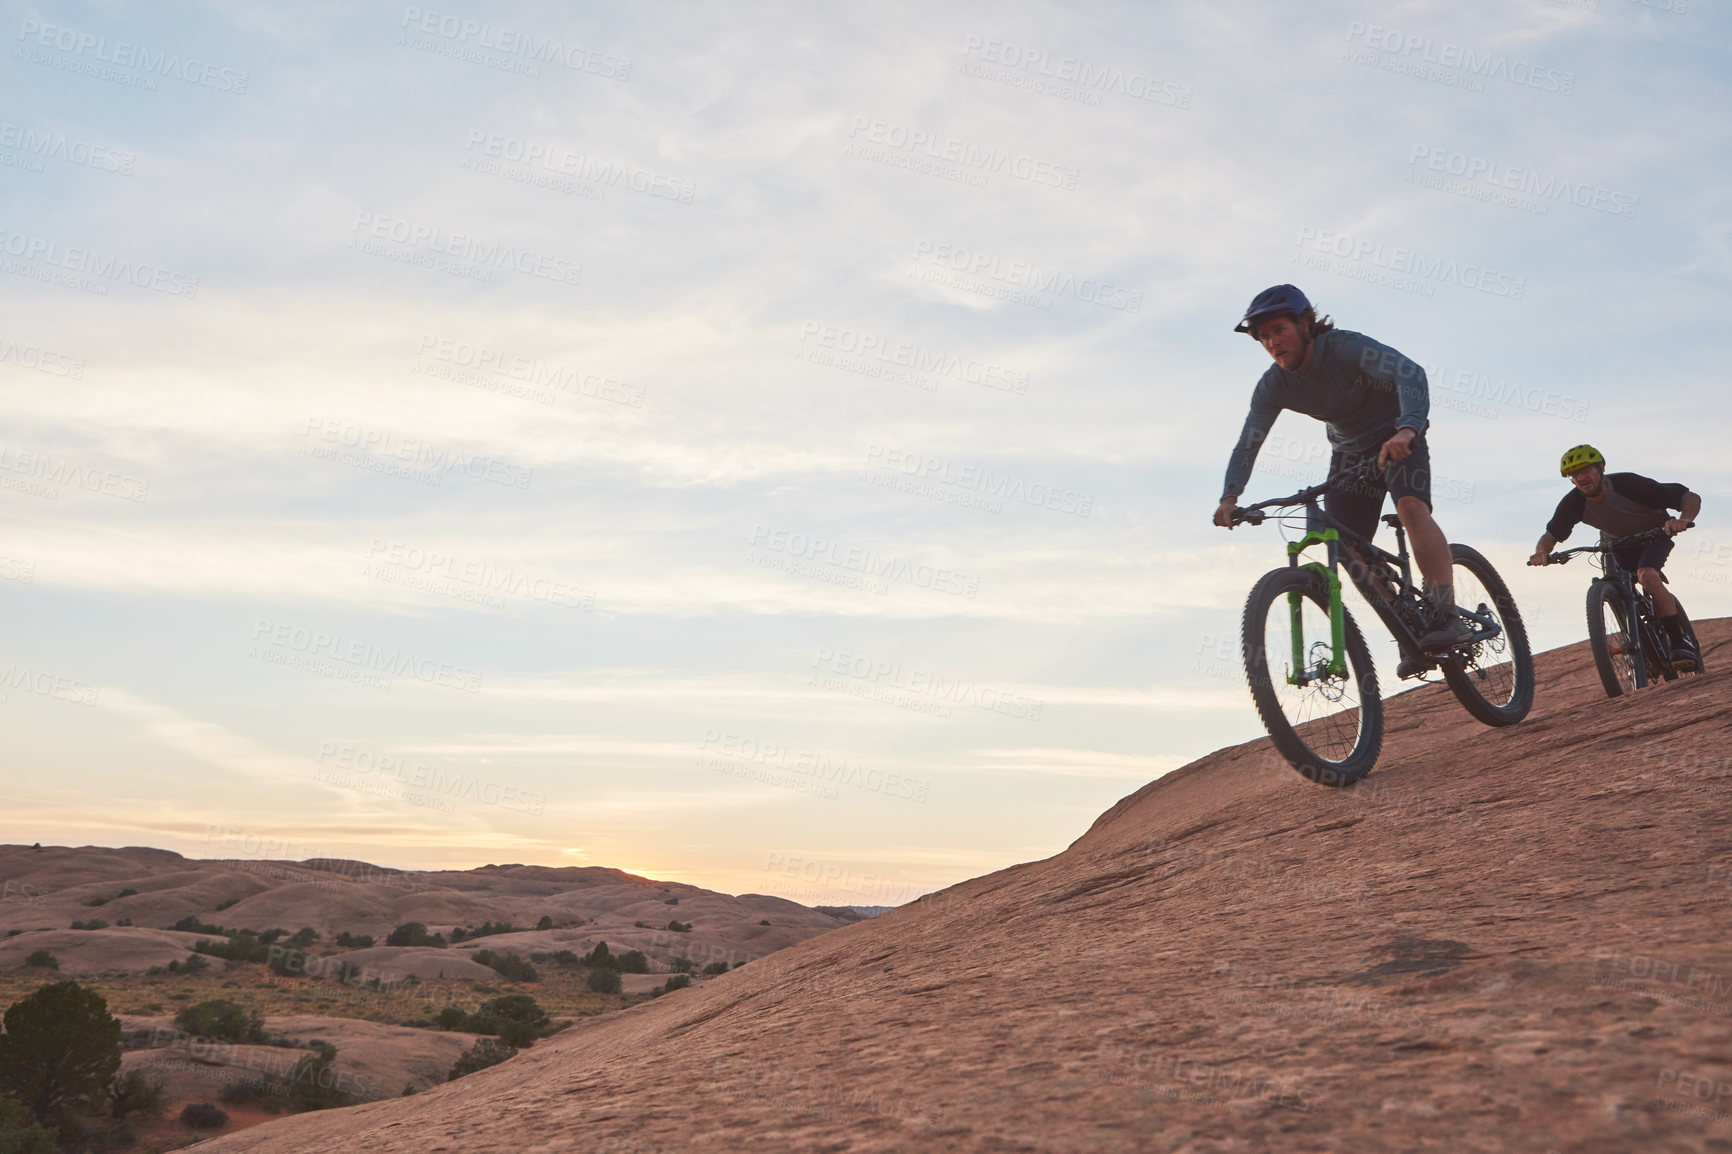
[(1642, 613), (1380, 564)]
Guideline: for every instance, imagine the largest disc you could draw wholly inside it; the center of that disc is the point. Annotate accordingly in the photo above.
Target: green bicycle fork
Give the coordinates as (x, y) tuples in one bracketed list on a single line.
[(1337, 665)]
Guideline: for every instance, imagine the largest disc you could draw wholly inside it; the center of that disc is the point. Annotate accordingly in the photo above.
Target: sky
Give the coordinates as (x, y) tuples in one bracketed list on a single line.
[(772, 446)]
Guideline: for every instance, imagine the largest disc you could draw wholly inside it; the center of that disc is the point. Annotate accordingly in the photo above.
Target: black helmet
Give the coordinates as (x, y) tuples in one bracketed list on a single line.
[(1282, 298)]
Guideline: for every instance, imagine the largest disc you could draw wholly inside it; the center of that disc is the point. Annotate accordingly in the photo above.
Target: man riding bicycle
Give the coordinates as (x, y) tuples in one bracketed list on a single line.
[(1375, 404), (1622, 505)]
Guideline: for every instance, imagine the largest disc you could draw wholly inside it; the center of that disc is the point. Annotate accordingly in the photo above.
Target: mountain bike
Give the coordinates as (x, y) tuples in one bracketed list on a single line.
[(1628, 658), (1324, 711)]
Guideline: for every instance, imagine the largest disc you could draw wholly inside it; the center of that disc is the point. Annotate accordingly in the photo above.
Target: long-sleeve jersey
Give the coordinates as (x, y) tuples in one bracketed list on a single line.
[(1634, 505), (1363, 390)]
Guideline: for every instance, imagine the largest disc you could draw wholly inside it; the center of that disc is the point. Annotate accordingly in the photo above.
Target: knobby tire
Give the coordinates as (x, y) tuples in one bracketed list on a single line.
[(1270, 593), (1604, 596), (1465, 680)]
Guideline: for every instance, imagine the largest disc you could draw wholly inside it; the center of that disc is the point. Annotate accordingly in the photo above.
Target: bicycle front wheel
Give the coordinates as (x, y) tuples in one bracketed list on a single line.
[(1610, 636), (1325, 718), (1493, 679)]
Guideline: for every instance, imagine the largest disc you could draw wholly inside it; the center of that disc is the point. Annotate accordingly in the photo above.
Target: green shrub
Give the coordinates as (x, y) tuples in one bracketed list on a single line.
[(21, 1134), (92, 924), (604, 981), (191, 925), (676, 982), (517, 1008), (683, 965), (132, 1093), (765, 922), (203, 1116), (565, 958), (715, 968), (220, 1018), (508, 966), (313, 1083), (680, 927), (60, 1051), (126, 893), (484, 930), (484, 1053), (225, 905), (97, 902), (355, 941), (633, 962), (414, 934), (546, 922), (517, 1035), (43, 959), (451, 1018)]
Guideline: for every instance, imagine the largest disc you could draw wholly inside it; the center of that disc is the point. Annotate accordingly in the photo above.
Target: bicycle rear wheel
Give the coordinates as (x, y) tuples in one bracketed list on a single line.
[(1612, 640), (1493, 679), (1327, 724)]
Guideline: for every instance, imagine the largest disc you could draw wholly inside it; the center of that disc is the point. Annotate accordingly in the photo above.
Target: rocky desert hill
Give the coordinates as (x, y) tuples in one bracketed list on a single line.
[(1504, 940), (139, 893)]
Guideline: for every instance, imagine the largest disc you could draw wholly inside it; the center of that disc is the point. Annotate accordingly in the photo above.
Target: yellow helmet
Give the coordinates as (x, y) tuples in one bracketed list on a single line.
[(1579, 456)]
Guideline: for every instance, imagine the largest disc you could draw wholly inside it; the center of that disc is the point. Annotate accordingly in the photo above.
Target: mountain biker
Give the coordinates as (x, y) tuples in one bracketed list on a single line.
[(1375, 403), (1620, 505)]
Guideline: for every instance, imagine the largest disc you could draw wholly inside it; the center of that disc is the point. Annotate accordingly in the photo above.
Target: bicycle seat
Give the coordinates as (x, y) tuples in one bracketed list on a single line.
[(1393, 521)]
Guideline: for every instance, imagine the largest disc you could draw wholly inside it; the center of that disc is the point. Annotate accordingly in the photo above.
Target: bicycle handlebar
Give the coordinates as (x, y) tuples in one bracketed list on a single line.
[(1253, 514), (1611, 546)]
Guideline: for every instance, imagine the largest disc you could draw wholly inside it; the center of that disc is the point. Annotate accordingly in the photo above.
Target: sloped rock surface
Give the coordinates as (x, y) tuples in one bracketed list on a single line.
[(1505, 940)]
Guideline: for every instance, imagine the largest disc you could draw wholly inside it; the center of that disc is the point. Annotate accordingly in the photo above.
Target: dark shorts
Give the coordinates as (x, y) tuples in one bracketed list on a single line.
[(1649, 556), (1358, 505)]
